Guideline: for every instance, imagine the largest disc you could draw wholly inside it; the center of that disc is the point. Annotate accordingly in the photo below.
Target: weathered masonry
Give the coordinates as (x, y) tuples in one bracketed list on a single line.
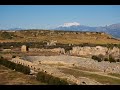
[(33, 66)]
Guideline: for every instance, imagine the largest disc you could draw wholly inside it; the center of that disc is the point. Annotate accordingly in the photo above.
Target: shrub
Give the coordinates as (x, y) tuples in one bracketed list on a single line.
[(111, 59), (96, 58), (21, 68), (118, 60), (42, 76), (17, 67), (101, 57), (1, 57), (106, 59)]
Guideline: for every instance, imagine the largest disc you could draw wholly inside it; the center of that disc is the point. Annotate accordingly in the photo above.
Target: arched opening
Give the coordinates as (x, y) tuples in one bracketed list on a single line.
[(38, 68), (83, 82)]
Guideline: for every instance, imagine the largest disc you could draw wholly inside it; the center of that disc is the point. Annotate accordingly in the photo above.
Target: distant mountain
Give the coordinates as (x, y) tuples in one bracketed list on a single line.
[(113, 29), (15, 29)]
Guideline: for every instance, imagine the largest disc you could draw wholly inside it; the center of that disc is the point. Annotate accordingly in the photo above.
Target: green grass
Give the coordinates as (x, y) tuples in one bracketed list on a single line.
[(99, 78), (114, 74), (83, 68)]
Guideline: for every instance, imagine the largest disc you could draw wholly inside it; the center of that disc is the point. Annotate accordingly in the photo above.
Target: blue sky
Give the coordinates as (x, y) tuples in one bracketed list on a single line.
[(50, 16)]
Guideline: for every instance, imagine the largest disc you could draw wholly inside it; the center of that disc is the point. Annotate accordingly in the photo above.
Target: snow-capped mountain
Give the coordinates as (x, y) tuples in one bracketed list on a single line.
[(70, 24), (113, 29)]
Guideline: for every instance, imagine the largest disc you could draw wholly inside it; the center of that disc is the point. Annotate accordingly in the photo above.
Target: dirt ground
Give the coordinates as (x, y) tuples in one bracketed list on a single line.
[(10, 77)]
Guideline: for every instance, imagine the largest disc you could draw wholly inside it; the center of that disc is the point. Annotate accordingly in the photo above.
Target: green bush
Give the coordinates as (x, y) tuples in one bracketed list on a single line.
[(99, 59), (111, 59), (118, 60), (106, 59), (21, 68), (96, 58), (40, 76), (51, 80), (17, 67)]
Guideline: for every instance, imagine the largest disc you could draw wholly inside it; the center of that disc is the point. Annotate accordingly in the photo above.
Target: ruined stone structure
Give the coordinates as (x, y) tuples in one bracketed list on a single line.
[(89, 51), (51, 43), (24, 48), (35, 63), (39, 63), (57, 50), (31, 65), (6, 50)]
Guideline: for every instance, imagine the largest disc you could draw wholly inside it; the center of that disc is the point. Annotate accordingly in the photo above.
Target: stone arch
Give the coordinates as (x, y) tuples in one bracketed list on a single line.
[(38, 69), (83, 82)]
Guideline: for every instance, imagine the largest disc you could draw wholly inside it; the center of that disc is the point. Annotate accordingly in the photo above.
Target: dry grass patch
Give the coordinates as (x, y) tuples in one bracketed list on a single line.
[(99, 78), (114, 74), (10, 77)]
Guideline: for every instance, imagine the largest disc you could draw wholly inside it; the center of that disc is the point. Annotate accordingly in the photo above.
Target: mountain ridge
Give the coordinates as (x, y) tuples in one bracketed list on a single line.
[(113, 29)]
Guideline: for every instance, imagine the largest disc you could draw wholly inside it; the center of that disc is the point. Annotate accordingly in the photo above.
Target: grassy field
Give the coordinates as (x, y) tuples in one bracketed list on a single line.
[(86, 69), (114, 74), (99, 78), (66, 38), (10, 77)]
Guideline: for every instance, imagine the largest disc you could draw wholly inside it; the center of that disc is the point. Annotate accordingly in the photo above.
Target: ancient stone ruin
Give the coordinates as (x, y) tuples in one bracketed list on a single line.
[(51, 43), (89, 51), (24, 48)]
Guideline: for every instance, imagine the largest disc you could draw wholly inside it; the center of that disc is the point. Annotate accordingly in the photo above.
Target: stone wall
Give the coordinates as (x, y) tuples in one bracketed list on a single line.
[(88, 63), (57, 50), (84, 51), (31, 65), (51, 43)]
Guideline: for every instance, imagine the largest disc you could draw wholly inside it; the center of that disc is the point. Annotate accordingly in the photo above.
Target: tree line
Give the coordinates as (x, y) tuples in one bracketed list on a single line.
[(51, 80), (14, 66)]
